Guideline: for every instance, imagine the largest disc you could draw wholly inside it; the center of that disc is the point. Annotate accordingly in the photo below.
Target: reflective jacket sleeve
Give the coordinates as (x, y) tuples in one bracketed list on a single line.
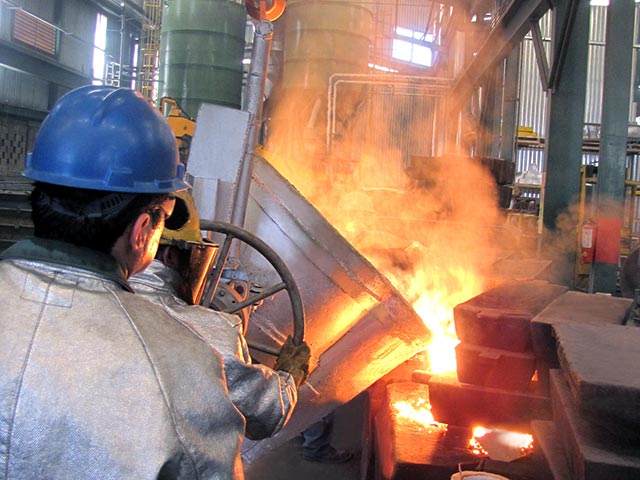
[(266, 398)]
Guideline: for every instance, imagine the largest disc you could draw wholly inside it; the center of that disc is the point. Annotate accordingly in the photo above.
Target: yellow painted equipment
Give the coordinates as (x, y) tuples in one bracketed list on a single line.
[(183, 125)]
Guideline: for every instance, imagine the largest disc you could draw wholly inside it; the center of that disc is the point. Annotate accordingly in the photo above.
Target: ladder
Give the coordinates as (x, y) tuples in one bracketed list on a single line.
[(150, 46), (112, 75)]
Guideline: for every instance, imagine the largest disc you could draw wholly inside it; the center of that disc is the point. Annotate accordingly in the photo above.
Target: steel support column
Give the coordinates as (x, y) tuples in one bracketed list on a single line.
[(510, 105), (613, 142), (563, 147), (490, 110)]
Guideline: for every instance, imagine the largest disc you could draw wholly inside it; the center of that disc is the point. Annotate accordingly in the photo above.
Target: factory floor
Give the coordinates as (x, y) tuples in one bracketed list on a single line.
[(286, 462)]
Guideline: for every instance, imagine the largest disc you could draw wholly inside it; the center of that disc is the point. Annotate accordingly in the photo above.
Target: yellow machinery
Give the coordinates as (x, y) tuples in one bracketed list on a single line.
[(183, 125)]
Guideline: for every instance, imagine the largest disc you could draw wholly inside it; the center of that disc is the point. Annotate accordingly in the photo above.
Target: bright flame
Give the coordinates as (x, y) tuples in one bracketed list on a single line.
[(417, 411), (435, 307), (434, 264), (435, 288), (433, 242), (474, 445)]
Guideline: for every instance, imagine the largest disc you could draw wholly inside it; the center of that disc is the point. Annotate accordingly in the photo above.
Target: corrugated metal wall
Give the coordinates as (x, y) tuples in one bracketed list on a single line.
[(532, 108), (22, 90), (595, 72)]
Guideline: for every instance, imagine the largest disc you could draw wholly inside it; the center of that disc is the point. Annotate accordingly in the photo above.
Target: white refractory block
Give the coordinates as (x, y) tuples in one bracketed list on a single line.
[(217, 150)]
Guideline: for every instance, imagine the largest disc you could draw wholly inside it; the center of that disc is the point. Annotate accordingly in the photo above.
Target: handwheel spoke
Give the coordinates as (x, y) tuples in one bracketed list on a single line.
[(264, 348), (216, 271), (231, 233), (255, 298)]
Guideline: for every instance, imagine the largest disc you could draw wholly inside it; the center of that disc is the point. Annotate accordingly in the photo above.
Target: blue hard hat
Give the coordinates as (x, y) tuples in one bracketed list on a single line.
[(106, 138)]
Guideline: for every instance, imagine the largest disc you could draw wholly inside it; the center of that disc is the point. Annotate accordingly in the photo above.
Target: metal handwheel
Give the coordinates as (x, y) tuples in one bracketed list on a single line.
[(232, 232)]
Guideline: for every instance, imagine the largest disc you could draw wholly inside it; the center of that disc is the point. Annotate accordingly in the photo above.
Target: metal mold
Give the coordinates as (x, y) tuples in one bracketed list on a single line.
[(359, 328)]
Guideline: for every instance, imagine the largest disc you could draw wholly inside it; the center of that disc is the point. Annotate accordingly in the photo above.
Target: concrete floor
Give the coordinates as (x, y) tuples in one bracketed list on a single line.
[(286, 462)]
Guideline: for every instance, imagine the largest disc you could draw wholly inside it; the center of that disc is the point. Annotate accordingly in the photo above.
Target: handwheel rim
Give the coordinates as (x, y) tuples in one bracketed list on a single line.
[(295, 297)]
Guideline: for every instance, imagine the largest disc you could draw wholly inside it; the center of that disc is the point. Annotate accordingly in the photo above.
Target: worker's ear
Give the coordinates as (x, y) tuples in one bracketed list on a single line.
[(139, 233), (129, 249)]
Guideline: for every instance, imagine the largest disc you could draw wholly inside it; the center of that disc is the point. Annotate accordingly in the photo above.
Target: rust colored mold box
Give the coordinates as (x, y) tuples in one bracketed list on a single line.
[(600, 363), (458, 403), (490, 367), (572, 307), (499, 318), (593, 452), (407, 449)]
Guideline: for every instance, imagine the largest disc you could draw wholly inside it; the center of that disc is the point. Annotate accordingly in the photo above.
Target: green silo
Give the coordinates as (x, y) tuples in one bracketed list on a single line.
[(323, 37), (201, 52)]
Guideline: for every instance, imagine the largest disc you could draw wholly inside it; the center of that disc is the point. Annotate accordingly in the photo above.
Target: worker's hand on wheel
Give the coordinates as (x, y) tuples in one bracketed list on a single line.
[(295, 360)]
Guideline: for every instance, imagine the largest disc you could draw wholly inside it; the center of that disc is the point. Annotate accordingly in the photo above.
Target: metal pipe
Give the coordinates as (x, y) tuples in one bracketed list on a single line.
[(256, 83), (122, 19), (372, 79), (334, 100)]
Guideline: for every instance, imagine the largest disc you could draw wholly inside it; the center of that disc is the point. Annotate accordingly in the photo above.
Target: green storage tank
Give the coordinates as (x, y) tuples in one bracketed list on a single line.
[(201, 52), (323, 37)]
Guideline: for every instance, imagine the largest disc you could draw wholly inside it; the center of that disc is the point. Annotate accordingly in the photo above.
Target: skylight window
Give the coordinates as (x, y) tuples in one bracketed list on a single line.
[(99, 47), (412, 46), (134, 69)]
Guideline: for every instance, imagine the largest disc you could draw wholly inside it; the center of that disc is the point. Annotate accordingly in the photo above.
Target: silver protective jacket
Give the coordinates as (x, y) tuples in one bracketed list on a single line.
[(265, 398), (97, 382)]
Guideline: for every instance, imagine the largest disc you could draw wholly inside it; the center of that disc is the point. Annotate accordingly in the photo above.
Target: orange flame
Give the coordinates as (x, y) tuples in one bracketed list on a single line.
[(433, 264), (417, 411), (433, 243)]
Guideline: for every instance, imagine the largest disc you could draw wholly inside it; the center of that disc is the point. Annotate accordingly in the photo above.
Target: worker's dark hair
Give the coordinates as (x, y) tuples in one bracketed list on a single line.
[(89, 218)]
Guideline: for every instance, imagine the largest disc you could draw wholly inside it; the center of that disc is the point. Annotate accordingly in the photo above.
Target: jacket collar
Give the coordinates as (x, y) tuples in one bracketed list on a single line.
[(67, 254)]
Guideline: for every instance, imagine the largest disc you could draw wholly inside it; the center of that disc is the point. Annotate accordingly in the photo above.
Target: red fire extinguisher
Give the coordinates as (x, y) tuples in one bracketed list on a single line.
[(588, 241)]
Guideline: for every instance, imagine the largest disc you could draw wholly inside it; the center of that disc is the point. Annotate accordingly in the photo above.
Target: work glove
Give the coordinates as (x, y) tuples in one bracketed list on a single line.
[(295, 360)]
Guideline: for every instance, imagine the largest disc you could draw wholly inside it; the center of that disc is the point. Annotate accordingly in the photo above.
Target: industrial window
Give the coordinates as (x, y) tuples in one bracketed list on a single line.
[(411, 46), (32, 31), (134, 69), (99, 47)]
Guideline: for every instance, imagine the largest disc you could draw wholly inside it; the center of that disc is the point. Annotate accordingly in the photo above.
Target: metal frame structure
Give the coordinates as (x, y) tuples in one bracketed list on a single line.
[(150, 46)]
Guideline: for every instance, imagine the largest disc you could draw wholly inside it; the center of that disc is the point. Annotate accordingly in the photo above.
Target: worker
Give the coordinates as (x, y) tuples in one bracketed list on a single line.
[(95, 381), (175, 280), (316, 443)]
